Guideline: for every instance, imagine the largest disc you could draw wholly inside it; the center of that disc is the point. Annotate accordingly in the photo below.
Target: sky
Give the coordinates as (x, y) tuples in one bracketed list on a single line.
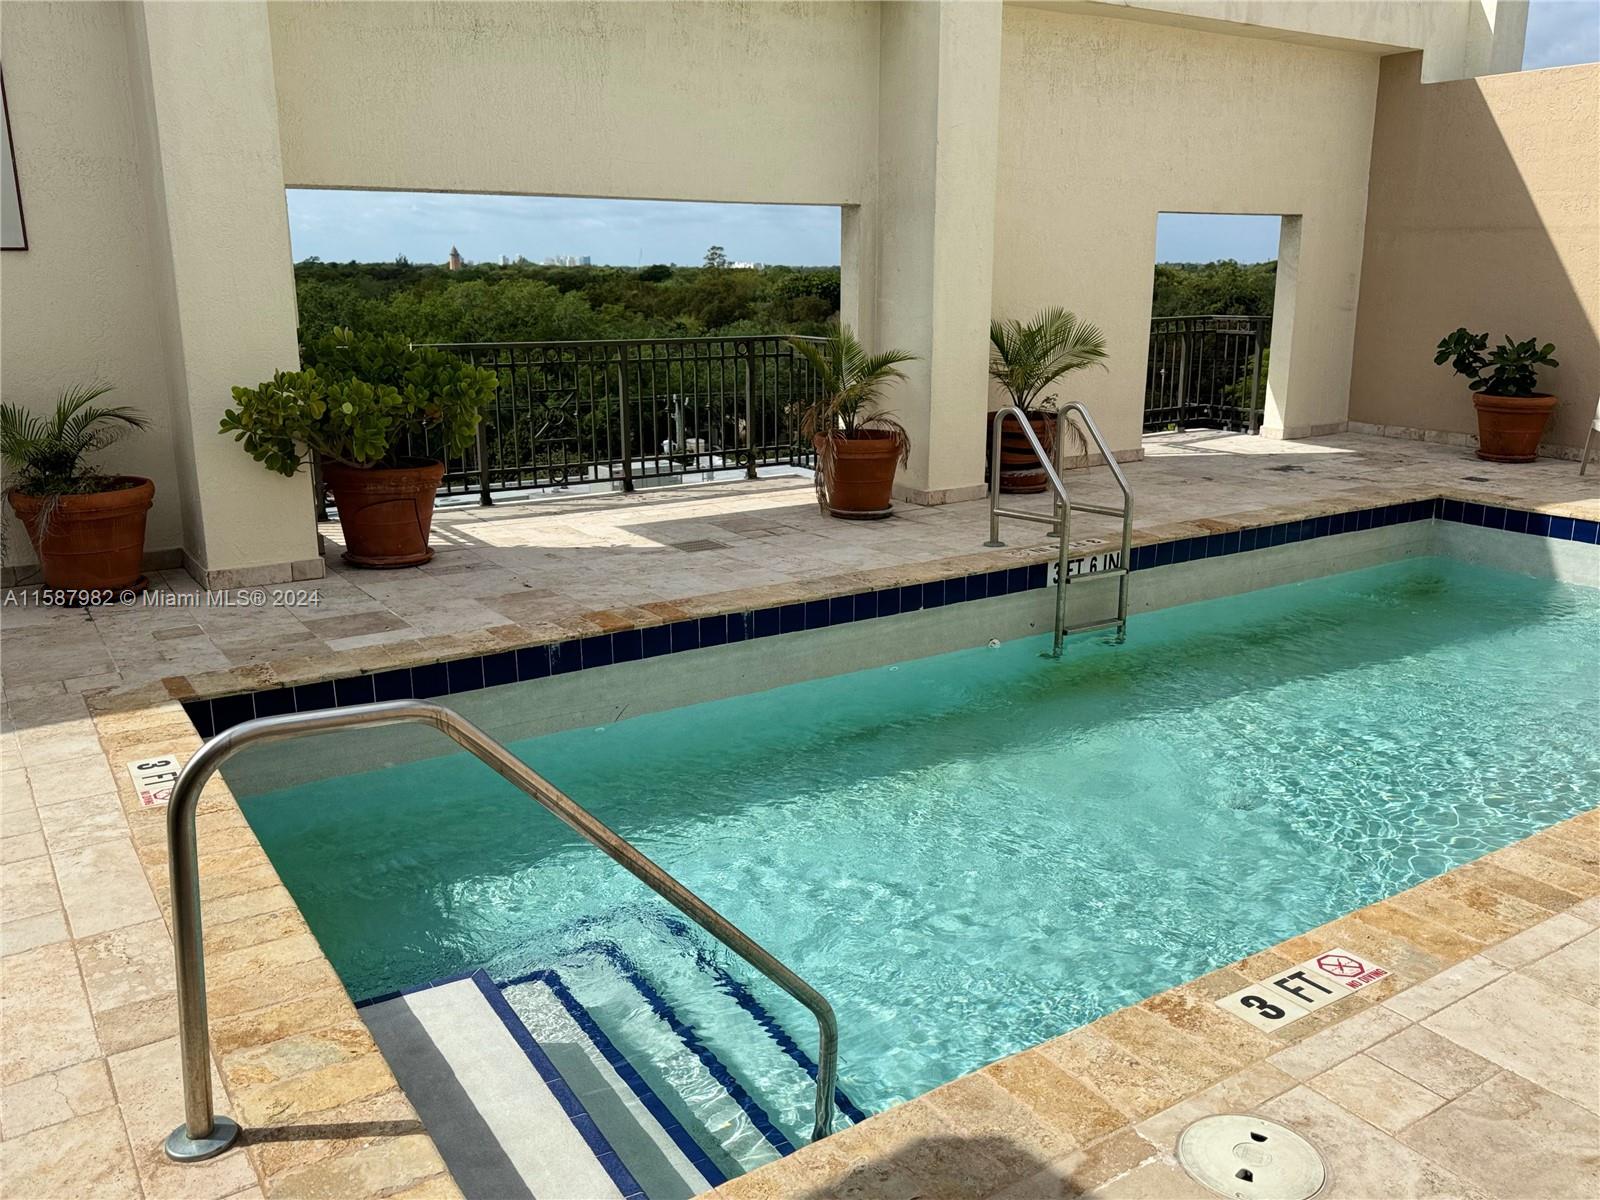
[(1560, 33), (378, 226)]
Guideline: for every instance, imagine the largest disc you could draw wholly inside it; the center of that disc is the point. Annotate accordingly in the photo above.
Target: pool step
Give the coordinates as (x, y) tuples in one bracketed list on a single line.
[(650, 1137), (501, 1114), (597, 1079)]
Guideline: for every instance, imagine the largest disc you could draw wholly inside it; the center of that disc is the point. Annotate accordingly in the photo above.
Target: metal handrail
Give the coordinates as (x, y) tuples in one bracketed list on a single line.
[(1057, 521), (1060, 519), (203, 1133)]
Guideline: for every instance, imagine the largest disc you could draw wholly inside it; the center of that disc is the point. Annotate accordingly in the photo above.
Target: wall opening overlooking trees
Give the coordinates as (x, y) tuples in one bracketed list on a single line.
[(1211, 321), (671, 367), (439, 267)]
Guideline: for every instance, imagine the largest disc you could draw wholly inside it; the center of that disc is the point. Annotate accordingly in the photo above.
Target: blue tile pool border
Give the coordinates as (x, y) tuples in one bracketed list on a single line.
[(430, 680)]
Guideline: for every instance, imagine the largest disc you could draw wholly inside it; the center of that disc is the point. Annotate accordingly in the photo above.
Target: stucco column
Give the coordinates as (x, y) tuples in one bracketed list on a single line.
[(206, 108), (938, 148)]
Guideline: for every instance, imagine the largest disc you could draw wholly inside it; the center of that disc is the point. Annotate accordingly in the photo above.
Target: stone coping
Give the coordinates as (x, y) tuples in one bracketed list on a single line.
[(1105, 1102), (294, 670), (322, 1112), (326, 1117)]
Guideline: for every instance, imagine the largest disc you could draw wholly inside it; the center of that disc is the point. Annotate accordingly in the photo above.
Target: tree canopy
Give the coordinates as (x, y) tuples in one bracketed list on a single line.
[(1225, 287), (526, 302)]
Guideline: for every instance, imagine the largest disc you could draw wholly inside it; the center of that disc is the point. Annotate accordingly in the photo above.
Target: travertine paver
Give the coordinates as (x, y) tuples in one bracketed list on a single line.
[(1397, 1107), (87, 1075), (525, 572)]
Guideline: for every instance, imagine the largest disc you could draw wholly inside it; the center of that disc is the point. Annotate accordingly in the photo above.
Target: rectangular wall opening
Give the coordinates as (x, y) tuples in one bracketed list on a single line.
[(1214, 291)]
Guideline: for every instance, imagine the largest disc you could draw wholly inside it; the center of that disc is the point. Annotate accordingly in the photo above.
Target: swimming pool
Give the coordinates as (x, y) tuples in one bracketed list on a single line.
[(972, 853)]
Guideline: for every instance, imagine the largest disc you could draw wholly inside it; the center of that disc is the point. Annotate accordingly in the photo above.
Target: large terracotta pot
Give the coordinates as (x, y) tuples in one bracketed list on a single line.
[(863, 475), (385, 512), (1019, 465), (1511, 427), (93, 542)]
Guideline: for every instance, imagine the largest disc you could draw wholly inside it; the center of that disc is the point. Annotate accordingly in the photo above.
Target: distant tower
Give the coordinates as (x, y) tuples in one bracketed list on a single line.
[(455, 259)]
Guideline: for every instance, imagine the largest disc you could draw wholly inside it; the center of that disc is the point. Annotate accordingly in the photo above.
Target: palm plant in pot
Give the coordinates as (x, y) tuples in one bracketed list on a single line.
[(87, 528), (1511, 415), (359, 405), (1025, 359), (858, 445)]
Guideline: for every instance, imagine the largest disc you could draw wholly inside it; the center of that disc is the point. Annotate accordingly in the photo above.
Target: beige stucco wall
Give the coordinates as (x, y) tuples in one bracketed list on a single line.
[(686, 101), (1108, 122), (1458, 37), (1484, 211), (224, 288), (154, 188), (76, 306)]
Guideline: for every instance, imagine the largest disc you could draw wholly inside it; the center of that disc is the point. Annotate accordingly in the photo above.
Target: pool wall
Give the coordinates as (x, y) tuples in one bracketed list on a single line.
[(776, 647)]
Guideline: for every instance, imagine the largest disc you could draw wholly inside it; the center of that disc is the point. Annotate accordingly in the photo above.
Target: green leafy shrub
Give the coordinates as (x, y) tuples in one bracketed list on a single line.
[(363, 400), (1511, 364)]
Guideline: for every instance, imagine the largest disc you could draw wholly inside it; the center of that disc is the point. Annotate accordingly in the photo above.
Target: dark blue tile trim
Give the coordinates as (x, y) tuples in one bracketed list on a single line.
[(211, 717), (746, 999), (565, 1096), (664, 1011), (637, 1084), (559, 1088), (724, 1077)]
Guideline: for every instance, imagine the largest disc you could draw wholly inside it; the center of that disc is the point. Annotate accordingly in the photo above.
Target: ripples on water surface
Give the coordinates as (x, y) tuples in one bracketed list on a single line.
[(972, 853)]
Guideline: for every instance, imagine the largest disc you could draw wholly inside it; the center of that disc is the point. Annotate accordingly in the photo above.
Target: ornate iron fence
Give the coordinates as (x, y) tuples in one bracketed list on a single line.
[(1206, 372), (631, 411)]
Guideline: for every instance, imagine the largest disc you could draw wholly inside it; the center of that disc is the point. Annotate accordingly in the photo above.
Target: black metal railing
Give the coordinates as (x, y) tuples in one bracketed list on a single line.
[(1207, 372), (631, 411)]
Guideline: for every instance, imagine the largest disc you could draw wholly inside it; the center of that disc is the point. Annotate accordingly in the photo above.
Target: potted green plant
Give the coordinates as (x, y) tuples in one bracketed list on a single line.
[(858, 445), (1511, 415), (1025, 359), (86, 527), (358, 405)]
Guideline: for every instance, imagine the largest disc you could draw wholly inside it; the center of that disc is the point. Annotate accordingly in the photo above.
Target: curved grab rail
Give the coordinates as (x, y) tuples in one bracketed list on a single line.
[(203, 1133), (1060, 519), (1057, 520)]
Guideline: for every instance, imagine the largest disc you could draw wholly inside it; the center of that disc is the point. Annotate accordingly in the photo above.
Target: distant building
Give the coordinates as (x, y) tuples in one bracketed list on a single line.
[(747, 266), (455, 259), (505, 260), (567, 260)]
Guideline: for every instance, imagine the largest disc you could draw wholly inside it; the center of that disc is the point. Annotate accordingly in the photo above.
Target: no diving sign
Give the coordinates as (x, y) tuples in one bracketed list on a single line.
[(1303, 988), (1351, 971), (153, 779)]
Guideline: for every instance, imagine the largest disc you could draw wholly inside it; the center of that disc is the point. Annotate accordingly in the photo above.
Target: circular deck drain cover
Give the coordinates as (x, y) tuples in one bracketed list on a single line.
[(1251, 1159)]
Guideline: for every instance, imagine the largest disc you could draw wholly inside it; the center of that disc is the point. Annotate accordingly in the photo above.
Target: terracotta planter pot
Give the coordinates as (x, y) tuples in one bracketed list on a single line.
[(863, 476), (1511, 427), (385, 512), (1019, 465), (93, 542)]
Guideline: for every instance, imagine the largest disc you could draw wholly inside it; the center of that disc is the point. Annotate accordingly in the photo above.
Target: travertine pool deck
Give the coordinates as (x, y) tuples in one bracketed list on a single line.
[(522, 573), (88, 1061)]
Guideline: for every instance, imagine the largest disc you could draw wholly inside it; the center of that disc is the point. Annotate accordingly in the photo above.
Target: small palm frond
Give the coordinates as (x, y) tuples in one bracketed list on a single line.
[(80, 422), (849, 382), (47, 453), (1028, 356)]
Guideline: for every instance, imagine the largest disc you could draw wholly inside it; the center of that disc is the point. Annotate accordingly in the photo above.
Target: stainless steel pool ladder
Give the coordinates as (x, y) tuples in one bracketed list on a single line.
[(1060, 518), (203, 1133)]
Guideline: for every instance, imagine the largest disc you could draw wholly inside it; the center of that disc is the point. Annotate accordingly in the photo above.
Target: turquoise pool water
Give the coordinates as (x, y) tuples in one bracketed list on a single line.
[(972, 853)]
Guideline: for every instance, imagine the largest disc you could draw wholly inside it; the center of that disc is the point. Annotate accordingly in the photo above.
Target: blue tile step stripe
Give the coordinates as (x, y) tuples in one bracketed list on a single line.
[(451, 678), (657, 1003), (604, 1155), (636, 1083), (741, 995)]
